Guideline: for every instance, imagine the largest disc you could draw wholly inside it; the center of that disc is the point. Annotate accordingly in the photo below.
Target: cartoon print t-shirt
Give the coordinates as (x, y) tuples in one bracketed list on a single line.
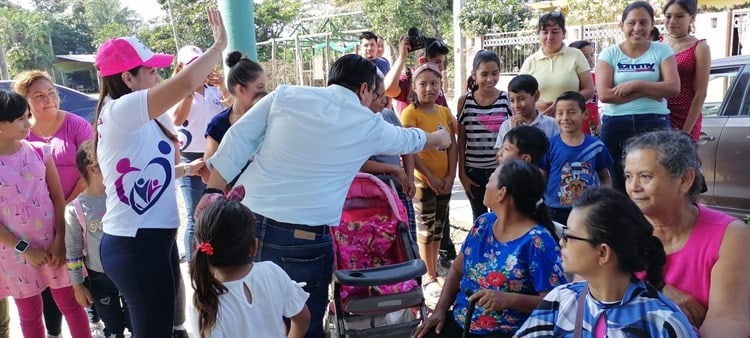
[(572, 170), (137, 162), (646, 67), (530, 265)]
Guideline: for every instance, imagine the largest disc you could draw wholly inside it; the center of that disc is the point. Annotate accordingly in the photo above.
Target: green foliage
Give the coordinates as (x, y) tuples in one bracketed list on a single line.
[(25, 37), (108, 19), (480, 17), (391, 19), (190, 21), (273, 17)]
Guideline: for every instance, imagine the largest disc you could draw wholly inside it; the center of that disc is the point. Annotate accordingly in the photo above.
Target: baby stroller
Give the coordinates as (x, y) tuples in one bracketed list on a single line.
[(377, 278)]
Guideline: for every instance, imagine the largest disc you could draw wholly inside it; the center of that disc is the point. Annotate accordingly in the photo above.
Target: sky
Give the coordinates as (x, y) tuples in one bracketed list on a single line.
[(147, 9)]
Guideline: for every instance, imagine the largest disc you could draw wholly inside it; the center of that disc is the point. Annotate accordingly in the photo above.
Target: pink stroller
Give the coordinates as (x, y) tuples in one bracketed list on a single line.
[(376, 285)]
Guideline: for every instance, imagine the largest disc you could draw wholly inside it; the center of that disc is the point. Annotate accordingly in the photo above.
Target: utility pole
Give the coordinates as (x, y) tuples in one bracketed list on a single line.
[(239, 19), (174, 26), (458, 50), (4, 74)]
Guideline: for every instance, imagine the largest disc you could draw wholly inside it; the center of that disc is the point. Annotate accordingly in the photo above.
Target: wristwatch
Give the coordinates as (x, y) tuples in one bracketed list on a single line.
[(21, 246)]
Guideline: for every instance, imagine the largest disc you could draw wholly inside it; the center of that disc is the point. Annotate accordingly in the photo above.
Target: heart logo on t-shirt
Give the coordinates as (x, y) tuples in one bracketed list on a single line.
[(491, 121), (150, 183), (184, 136)]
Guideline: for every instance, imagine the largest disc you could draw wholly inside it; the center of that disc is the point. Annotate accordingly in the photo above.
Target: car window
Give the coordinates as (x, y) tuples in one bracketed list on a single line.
[(719, 84)]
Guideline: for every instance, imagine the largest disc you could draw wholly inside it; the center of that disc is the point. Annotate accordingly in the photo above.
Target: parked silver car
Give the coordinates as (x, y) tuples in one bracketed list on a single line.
[(724, 145)]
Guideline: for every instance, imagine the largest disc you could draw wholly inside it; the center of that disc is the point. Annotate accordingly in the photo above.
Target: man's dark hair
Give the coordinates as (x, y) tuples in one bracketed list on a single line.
[(367, 35), (436, 47), (351, 71), (529, 140), (523, 83)]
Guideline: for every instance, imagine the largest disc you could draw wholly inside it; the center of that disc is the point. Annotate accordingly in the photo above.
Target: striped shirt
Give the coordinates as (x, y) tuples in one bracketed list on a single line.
[(642, 312), (481, 125)]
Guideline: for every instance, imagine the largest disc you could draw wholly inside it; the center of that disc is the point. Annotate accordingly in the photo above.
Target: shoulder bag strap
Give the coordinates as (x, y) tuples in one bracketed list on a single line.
[(578, 331)]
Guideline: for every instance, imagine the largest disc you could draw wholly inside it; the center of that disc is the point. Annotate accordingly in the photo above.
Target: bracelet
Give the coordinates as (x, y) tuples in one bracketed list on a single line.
[(212, 191)]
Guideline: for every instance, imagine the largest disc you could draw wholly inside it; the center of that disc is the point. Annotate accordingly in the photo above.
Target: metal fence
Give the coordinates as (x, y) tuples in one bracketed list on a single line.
[(514, 47)]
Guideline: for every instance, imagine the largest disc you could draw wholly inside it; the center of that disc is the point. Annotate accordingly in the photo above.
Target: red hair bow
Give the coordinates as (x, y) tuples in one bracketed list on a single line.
[(205, 248)]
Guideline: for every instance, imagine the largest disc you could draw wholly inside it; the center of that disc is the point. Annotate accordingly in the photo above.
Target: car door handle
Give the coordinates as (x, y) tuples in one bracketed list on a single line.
[(704, 137)]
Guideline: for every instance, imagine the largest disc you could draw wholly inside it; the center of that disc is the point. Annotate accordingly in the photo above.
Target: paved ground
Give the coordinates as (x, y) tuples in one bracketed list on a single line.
[(460, 215)]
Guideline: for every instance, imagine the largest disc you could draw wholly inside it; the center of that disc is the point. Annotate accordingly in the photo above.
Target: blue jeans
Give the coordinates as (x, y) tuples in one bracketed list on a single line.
[(616, 130), (305, 256), (191, 188), (111, 309), (145, 269)]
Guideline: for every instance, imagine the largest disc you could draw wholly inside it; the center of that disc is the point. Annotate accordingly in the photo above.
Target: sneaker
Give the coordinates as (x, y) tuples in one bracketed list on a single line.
[(180, 334), (97, 330)]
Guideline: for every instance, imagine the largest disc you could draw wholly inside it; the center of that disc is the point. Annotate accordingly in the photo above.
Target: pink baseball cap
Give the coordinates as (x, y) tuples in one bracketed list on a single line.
[(119, 55), (188, 54)]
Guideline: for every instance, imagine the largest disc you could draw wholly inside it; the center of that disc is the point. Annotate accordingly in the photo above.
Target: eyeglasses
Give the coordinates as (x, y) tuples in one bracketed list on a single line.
[(566, 237), (377, 96)]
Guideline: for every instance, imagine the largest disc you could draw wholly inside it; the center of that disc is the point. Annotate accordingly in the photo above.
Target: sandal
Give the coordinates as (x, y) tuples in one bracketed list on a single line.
[(432, 288)]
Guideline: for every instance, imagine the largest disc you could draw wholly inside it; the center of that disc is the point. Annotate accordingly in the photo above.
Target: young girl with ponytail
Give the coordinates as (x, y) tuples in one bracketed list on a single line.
[(234, 296), (606, 242)]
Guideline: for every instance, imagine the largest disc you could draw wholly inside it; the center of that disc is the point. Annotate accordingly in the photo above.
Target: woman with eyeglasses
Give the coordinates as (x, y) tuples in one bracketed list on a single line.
[(557, 67), (508, 262), (389, 167), (64, 133), (606, 242)]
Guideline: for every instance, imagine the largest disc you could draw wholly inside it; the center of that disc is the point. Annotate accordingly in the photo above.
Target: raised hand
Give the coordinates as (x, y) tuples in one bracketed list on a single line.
[(218, 30)]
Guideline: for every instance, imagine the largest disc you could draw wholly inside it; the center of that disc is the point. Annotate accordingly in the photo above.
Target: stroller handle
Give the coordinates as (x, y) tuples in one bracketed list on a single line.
[(382, 275)]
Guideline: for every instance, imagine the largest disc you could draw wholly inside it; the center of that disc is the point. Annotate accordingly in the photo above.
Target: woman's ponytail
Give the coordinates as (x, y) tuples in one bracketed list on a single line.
[(655, 258)]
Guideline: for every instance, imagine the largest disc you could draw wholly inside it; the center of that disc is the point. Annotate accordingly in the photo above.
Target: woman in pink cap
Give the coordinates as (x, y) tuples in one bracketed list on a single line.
[(137, 150)]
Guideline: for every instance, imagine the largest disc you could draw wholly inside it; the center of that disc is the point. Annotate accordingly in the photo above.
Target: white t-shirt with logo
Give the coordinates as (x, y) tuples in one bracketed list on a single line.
[(191, 132), (137, 162)]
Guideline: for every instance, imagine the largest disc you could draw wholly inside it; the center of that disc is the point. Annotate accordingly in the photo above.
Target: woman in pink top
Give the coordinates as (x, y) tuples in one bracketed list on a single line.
[(707, 271), (63, 131)]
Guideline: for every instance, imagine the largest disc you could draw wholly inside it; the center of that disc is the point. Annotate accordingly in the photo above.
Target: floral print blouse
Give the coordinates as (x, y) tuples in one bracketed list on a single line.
[(530, 264)]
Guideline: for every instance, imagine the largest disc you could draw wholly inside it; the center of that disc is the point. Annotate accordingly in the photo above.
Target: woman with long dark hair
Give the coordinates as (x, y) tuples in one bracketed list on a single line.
[(137, 151), (606, 242)]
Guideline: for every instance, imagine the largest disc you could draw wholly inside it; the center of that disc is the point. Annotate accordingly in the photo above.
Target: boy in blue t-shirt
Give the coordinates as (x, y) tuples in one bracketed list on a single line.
[(575, 161)]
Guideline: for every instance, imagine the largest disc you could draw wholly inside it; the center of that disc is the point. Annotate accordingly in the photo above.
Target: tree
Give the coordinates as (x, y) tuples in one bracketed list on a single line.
[(480, 17), (25, 38), (273, 17), (190, 21), (108, 19), (586, 12), (391, 19)]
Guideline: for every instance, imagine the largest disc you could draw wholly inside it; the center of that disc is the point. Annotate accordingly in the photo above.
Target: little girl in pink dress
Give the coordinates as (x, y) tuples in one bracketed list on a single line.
[(32, 245)]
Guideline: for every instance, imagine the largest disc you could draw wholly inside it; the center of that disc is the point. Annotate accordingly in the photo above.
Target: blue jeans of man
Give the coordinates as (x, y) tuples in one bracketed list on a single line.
[(306, 254), (616, 130), (108, 304), (191, 188)]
